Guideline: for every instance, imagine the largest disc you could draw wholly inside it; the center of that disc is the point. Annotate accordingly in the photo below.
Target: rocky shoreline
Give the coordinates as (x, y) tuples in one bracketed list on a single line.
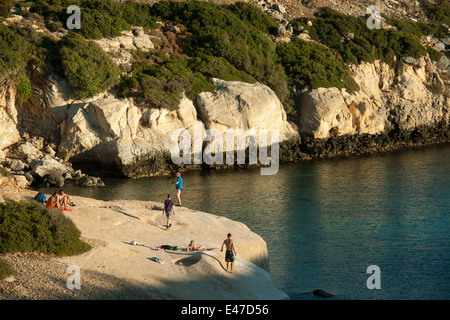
[(48, 171), (309, 148)]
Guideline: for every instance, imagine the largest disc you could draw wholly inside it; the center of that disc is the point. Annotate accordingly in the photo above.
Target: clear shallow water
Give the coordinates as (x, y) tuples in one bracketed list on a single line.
[(326, 221)]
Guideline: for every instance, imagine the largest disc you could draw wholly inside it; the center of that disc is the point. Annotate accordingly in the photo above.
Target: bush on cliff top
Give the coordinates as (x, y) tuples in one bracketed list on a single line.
[(351, 38), (227, 32), (161, 84), (438, 12), (5, 6), (309, 63), (27, 226), (87, 67), (13, 52), (99, 18)]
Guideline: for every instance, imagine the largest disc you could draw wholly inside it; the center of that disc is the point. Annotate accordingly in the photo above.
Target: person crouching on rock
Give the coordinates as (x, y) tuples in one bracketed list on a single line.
[(230, 251)]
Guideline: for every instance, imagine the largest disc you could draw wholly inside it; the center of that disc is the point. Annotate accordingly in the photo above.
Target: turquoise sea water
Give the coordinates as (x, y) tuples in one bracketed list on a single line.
[(326, 221)]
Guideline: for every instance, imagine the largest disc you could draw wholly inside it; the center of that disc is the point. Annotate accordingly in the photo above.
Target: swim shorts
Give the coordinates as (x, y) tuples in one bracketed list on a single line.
[(229, 256)]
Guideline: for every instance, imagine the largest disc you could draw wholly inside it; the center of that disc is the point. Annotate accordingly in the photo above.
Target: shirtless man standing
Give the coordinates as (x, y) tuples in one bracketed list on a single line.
[(230, 251)]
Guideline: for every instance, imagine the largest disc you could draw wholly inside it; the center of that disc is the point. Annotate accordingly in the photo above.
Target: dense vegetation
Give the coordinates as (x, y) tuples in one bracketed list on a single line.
[(162, 83), (309, 63), (27, 226), (351, 38), (13, 54), (87, 67), (236, 33), (231, 42), (5, 6), (438, 12), (100, 18)]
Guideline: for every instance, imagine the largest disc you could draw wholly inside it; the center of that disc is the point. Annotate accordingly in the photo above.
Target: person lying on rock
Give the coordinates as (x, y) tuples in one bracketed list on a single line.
[(230, 251), (192, 247)]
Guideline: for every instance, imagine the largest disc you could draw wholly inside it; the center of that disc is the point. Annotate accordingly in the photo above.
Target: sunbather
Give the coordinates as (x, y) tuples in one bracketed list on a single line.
[(192, 247), (63, 201), (52, 201)]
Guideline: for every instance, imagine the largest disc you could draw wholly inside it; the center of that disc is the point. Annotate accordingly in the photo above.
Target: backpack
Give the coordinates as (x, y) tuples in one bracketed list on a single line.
[(40, 197)]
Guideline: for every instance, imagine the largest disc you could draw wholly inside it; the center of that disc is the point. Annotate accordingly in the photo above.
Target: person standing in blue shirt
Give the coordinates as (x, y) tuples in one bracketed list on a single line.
[(179, 187)]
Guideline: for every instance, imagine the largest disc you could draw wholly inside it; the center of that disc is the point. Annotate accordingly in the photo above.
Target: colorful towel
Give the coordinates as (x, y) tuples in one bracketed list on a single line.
[(156, 259)]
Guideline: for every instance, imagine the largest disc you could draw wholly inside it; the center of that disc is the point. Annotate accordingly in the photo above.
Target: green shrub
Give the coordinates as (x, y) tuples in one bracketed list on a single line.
[(5, 6), (27, 226), (219, 31), (4, 172), (309, 63), (216, 67), (333, 29), (161, 85), (87, 67), (13, 52), (99, 18), (24, 86), (417, 28), (5, 269), (438, 12), (434, 54), (253, 15)]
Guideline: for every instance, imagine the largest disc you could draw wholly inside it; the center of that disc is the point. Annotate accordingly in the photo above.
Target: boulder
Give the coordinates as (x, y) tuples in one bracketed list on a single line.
[(366, 117), (89, 181), (322, 293), (443, 63), (21, 181), (324, 113), (240, 105), (50, 151), (29, 178), (44, 168), (55, 180), (109, 131), (120, 48), (90, 129), (77, 175), (28, 151), (17, 165)]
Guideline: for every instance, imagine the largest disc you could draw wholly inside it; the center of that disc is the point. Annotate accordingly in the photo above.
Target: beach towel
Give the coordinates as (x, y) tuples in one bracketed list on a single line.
[(156, 259)]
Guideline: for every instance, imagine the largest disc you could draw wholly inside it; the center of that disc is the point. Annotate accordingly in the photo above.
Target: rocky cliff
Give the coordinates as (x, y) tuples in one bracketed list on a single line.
[(397, 96), (400, 104)]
